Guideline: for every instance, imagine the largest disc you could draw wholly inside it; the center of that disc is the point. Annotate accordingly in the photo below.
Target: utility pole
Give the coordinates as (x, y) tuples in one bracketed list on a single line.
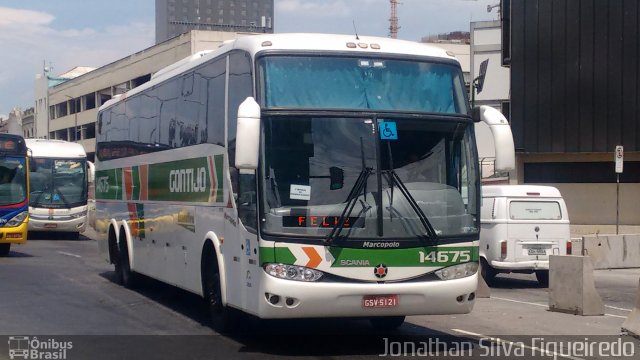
[(393, 27)]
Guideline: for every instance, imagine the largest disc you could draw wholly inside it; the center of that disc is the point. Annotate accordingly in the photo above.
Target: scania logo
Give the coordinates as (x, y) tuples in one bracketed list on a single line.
[(380, 271)]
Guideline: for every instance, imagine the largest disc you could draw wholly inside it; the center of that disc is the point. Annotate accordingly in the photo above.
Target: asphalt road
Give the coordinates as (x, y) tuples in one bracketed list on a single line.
[(60, 289)]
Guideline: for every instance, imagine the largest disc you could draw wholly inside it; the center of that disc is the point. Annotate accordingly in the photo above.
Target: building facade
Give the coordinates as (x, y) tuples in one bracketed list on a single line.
[(575, 96), (174, 17)]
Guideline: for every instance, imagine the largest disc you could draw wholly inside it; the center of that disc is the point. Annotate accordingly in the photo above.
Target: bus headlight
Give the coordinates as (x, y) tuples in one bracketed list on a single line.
[(292, 272), (17, 220), (457, 271), (78, 215)]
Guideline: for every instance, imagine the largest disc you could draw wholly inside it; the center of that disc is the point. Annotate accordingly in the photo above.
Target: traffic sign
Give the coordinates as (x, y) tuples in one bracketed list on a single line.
[(619, 158)]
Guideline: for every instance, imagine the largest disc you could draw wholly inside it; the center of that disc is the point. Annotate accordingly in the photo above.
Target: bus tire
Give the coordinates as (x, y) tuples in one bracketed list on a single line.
[(4, 249), (543, 277), (387, 323), (222, 317), (127, 277), (487, 272)]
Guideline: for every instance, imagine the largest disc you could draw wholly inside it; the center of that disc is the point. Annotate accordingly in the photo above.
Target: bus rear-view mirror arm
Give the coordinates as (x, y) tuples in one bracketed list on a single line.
[(248, 135), (502, 136)]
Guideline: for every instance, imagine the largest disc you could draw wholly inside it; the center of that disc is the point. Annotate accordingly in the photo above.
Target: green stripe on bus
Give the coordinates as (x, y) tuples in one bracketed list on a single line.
[(109, 184), (282, 255), (186, 180), (414, 257), (135, 181)]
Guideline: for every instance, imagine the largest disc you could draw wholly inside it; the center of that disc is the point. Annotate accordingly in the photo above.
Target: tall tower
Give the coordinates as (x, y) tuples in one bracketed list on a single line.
[(176, 17), (393, 27)]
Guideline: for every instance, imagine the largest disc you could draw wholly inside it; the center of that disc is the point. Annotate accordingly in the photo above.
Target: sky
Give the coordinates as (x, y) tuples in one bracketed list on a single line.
[(64, 34)]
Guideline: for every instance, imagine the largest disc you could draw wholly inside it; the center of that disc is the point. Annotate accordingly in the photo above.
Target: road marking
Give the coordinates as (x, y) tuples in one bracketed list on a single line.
[(618, 308), (69, 254), (532, 348), (519, 302), (546, 305)]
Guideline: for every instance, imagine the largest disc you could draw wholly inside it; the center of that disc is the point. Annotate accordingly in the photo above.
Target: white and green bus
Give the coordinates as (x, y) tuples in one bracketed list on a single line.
[(299, 176)]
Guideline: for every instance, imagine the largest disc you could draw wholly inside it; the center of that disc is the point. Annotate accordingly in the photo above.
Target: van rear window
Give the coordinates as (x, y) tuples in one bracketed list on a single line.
[(535, 210)]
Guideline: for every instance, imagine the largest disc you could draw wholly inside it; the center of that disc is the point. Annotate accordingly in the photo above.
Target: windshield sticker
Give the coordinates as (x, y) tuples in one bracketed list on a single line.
[(300, 192), (388, 130), (56, 197)]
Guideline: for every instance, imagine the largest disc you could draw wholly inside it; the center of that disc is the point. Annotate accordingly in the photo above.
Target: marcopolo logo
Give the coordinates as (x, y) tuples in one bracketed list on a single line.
[(380, 244), (32, 348)]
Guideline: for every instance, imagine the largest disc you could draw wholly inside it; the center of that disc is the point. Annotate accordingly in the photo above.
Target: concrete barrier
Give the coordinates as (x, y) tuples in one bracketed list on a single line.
[(571, 286), (576, 246), (632, 324), (612, 251)]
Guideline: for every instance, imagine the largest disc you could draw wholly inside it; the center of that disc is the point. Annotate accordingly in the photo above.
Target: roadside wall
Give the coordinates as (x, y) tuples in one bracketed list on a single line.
[(612, 251)]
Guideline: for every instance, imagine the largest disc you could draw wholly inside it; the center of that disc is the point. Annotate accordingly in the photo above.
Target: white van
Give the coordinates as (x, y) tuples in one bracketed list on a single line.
[(521, 226)]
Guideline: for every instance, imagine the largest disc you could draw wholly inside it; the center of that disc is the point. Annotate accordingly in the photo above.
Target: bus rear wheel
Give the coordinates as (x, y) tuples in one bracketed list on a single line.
[(387, 323), (4, 249), (124, 274), (222, 317)]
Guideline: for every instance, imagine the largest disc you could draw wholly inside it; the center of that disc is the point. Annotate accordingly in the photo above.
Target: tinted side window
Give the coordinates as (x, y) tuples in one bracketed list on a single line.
[(183, 111), (240, 87), (213, 90)]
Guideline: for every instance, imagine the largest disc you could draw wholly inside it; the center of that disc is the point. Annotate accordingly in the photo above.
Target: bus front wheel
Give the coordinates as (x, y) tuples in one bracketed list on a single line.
[(221, 316), (387, 323), (4, 249)]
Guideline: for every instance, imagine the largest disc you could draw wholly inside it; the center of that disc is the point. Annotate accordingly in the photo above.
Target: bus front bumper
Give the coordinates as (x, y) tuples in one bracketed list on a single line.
[(14, 235), (73, 225), (314, 300)]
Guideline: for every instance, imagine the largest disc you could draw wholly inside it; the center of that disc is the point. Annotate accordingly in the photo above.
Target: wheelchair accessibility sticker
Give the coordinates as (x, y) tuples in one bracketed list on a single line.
[(388, 130)]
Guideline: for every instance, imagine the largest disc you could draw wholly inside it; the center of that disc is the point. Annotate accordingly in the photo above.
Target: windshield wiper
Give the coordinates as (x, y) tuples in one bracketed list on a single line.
[(393, 178), (360, 184)]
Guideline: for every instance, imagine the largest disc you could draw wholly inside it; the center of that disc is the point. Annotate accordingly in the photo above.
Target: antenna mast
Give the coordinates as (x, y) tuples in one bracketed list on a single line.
[(393, 27)]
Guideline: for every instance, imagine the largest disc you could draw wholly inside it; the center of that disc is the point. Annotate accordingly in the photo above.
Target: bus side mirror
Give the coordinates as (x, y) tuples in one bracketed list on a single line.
[(248, 135), (502, 136), (336, 175), (32, 163)]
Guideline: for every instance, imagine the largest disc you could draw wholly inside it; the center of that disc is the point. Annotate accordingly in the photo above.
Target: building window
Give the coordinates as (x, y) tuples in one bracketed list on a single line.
[(89, 101), (104, 95), (61, 110)]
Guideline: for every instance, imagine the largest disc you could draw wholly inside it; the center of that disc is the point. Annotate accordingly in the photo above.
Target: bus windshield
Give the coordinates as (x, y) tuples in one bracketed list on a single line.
[(58, 183), (332, 82), (312, 165), (13, 188)]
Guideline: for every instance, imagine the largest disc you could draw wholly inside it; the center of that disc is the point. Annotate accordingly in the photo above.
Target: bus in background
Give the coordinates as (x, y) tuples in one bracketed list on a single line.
[(14, 192), (59, 186), (299, 176), (91, 202)]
